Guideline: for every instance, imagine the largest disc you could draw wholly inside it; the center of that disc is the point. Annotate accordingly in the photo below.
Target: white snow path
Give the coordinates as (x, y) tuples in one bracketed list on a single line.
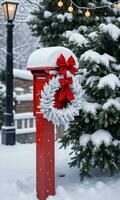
[(17, 177)]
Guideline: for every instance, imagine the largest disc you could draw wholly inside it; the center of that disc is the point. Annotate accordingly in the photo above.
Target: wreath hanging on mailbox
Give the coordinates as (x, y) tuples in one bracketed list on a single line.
[(65, 87)]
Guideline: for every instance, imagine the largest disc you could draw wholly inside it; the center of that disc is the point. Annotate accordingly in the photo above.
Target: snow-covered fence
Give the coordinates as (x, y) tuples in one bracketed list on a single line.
[(25, 123)]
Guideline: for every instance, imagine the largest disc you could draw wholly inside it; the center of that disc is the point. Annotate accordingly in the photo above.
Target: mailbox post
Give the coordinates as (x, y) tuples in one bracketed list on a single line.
[(42, 64), (45, 166)]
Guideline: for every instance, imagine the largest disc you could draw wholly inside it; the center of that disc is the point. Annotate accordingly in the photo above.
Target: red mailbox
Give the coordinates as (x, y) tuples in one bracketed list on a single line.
[(42, 64)]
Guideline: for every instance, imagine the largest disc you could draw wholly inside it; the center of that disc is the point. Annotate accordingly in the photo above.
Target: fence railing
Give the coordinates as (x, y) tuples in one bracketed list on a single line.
[(25, 123)]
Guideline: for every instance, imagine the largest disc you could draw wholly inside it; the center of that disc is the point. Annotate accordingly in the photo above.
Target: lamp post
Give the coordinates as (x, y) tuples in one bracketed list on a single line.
[(8, 128)]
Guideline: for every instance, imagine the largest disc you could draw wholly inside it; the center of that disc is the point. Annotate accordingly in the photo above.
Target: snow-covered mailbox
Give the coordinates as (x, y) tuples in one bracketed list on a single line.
[(56, 101)]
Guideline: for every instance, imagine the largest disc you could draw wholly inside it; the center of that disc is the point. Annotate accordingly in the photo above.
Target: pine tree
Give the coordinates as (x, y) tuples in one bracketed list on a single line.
[(50, 22), (2, 75), (95, 133)]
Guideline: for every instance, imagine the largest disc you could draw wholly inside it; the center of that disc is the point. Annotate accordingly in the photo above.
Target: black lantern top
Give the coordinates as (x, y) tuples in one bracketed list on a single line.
[(9, 8)]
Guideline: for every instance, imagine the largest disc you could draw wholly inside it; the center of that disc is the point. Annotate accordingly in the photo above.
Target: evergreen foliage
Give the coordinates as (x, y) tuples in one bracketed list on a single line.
[(2, 75), (49, 22), (100, 107), (95, 133)]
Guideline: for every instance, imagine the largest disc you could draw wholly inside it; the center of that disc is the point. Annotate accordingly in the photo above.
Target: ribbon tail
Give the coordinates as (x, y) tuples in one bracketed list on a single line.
[(62, 94), (69, 94)]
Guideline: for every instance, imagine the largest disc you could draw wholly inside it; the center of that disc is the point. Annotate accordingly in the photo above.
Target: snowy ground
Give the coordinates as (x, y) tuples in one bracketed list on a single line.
[(17, 178)]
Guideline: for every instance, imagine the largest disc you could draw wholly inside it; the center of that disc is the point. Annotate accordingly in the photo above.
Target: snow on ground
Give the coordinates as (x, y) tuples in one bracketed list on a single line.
[(17, 177)]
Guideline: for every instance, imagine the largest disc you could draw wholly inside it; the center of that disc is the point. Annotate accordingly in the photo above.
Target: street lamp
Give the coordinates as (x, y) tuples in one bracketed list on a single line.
[(8, 128)]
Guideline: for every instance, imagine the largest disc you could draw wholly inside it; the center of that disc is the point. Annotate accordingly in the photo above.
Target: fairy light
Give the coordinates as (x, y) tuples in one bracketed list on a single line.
[(118, 5), (70, 8), (87, 13), (60, 4)]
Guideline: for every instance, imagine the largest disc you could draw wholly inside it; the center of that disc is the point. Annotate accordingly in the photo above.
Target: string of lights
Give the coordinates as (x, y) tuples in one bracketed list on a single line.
[(73, 5)]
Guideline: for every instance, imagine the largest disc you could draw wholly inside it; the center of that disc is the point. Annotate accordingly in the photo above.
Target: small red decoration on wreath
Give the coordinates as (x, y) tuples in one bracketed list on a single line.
[(66, 65), (69, 90)]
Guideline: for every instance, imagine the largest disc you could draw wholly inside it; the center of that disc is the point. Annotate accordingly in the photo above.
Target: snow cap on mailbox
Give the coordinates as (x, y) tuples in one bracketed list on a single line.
[(46, 58)]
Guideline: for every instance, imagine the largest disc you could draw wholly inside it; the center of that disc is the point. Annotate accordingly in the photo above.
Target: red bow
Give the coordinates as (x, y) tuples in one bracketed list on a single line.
[(66, 65), (65, 91)]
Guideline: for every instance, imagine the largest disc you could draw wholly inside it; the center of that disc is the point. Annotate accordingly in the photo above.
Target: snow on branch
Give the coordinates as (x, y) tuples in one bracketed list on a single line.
[(110, 80), (111, 29), (97, 138), (93, 56)]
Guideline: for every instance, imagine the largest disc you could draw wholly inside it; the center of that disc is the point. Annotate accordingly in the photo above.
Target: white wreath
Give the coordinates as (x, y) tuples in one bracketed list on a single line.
[(47, 102)]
